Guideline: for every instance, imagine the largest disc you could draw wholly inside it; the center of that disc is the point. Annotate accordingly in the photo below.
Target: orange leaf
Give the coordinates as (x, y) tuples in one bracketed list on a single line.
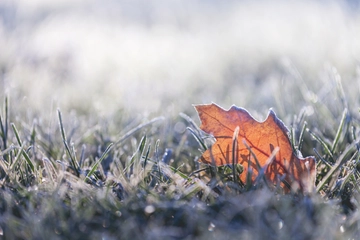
[(263, 138)]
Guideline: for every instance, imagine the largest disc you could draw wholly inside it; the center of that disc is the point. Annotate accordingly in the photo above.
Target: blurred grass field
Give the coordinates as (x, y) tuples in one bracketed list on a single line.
[(78, 76)]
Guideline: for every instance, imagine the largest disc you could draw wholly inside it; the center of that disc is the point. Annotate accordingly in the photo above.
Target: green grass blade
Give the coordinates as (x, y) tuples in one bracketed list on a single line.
[(259, 167), (2, 132), (73, 161), (322, 143), (198, 171), (62, 130), (340, 129), (253, 154), (4, 124), (132, 131), (189, 120), (234, 151), (74, 156), (322, 159), (197, 138), (138, 152), (82, 155), (292, 138), (177, 171), (193, 132), (157, 144), (262, 171), (16, 134), (95, 166), (301, 137), (17, 159), (339, 163), (147, 156), (142, 144), (141, 150), (26, 156), (213, 168), (33, 134)]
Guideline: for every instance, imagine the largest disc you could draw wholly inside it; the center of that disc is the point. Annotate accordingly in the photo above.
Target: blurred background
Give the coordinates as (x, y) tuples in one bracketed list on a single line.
[(160, 57)]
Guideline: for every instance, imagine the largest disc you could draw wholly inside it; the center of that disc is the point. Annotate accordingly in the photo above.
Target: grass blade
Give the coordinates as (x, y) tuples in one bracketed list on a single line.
[(73, 161), (3, 132), (321, 158), (334, 168), (26, 156), (5, 124), (17, 159), (322, 143), (301, 137), (95, 166), (234, 151), (132, 131), (139, 152), (340, 130), (197, 138)]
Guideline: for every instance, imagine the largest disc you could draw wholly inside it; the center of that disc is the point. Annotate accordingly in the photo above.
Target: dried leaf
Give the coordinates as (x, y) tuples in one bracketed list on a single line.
[(255, 139)]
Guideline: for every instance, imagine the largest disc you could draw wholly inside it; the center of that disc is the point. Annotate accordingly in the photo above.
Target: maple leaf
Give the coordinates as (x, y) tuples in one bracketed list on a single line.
[(266, 143)]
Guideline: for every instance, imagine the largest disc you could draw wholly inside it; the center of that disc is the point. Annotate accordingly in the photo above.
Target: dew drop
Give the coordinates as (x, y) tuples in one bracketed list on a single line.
[(118, 213), (281, 224), (211, 227), (149, 209)]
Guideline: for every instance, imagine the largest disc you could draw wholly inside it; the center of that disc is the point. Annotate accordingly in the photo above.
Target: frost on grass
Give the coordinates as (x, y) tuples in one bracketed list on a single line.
[(71, 182), (113, 68)]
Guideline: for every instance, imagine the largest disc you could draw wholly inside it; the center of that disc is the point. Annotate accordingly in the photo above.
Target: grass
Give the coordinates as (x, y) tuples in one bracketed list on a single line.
[(80, 180), (119, 158)]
